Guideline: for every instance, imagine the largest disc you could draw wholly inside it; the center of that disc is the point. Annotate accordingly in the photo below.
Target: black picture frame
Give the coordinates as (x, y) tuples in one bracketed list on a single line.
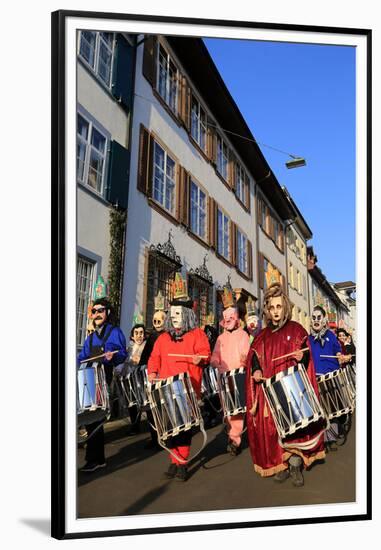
[(59, 248)]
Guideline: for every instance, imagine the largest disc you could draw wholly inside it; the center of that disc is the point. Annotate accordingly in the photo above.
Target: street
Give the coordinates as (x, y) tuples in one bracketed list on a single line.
[(133, 482)]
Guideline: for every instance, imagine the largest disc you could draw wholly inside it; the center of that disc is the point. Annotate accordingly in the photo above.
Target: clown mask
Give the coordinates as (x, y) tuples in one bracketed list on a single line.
[(252, 323), (158, 320), (176, 314), (318, 321), (230, 319)]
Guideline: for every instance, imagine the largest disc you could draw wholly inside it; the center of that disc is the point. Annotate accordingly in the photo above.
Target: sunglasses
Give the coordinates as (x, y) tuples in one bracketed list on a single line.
[(98, 310)]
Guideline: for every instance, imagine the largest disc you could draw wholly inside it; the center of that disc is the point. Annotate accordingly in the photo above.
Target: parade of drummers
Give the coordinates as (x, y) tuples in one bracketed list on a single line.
[(216, 356)]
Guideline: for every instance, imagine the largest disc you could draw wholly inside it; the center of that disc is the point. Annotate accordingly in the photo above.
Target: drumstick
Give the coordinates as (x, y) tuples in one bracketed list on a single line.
[(98, 356), (185, 355), (288, 354), (336, 356)]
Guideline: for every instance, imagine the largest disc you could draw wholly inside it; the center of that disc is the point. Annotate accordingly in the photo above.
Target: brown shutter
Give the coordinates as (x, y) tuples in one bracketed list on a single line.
[(281, 238), (233, 243), (261, 270), (211, 145), (250, 259), (231, 169), (259, 211), (184, 101), (247, 192), (149, 59), (144, 154), (183, 196), (212, 225)]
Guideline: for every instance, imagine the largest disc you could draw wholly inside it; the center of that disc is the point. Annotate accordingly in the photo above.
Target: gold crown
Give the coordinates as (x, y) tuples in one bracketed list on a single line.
[(159, 302), (179, 288), (250, 306), (227, 297)]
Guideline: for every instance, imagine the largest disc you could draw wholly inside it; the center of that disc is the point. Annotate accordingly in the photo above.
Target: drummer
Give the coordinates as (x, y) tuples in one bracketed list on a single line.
[(230, 353), (327, 357), (106, 339), (277, 347), (182, 337)]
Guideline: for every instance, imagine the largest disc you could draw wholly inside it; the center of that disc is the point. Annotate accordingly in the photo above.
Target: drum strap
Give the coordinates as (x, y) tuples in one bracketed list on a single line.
[(100, 347)]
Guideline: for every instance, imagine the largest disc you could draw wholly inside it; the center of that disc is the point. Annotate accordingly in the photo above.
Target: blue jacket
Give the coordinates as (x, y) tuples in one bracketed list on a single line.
[(324, 365), (115, 341)]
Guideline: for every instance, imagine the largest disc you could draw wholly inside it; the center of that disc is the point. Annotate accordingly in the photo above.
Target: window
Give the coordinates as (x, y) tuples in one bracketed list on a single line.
[(240, 183), (97, 49), (91, 154), (167, 84), (85, 276), (262, 214), (164, 179), (198, 124), (223, 244), (291, 275), (222, 158), (242, 256), (201, 292), (197, 210), (161, 274), (298, 281)]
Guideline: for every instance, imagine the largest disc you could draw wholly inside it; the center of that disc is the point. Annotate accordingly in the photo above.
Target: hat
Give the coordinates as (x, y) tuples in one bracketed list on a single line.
[(159, 302), (227, 297), (100, 288), (179, 292), (250, 306), (138, 318)]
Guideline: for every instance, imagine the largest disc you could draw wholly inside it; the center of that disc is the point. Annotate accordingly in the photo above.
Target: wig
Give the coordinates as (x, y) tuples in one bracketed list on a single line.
[(189, 323), (274, 291)]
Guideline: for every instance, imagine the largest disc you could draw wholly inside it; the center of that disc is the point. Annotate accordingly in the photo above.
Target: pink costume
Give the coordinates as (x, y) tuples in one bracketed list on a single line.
[(230, 353)]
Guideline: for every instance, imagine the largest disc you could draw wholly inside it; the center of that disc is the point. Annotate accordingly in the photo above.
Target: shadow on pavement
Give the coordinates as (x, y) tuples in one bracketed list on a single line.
[(146, 499)]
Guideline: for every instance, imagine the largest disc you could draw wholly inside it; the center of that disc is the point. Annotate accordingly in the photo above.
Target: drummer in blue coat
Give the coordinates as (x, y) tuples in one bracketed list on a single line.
[(107, 340), (327, 357)]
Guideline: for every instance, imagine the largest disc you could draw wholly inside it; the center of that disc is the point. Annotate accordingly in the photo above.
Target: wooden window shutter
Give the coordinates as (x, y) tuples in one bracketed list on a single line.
[(211, 149), (233, 243), (184, 101), (118, 175), (281, 238), (259, 211), (149, 59), (231, 169), (122, 73), (183, 196), (261, 270), (250, 259), (212, 222), (144, 155), (247, 192)]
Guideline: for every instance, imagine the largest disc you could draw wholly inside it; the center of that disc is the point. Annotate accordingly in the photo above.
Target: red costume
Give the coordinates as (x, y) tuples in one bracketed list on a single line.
[(269, 457), (194, 342)]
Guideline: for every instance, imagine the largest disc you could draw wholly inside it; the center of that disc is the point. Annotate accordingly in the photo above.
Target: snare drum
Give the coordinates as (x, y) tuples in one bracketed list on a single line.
[(209, 386), (139, 383), (292, 400), (233, 391), (350, 376), (92, 395), (336, 398), (174, 405)]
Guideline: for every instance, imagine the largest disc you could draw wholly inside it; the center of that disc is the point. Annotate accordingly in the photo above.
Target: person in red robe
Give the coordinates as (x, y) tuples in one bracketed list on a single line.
[(181, 336), (271, 455)]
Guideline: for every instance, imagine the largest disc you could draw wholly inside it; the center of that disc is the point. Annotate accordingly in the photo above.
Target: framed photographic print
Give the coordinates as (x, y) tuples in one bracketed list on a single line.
[(211, 192)]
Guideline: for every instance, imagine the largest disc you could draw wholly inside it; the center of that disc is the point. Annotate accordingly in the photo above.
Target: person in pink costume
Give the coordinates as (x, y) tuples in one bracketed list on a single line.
[(230, 352)]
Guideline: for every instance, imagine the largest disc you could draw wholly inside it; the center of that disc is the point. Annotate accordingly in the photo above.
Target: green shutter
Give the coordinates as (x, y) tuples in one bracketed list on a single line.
[(118, 175), (123, 72)]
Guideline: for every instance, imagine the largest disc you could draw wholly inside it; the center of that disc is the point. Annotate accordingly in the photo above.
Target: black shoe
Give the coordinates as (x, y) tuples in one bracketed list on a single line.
[(92, 466), (296, 476), (171, 472), (152, 445), (280, 477), (233, 449), (133, 431), (332, 446), (182, 473)]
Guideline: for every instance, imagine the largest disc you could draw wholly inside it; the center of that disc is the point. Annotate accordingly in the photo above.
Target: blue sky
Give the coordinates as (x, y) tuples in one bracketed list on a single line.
[(300, 98)]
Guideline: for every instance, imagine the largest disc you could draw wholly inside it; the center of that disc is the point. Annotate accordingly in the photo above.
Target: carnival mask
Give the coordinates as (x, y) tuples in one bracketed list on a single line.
[(230, 319), (158, 320), (176, 314), (138, 335), (318, 320), (252, 322), (276, 310)]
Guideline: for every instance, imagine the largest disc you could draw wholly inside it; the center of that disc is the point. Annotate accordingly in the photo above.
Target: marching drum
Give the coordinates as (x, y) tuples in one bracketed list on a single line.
[(139, 383), (209, 386), (174, 405), (233, 391), (350, 376), (336, 397), (292, 400), (92, 394)]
